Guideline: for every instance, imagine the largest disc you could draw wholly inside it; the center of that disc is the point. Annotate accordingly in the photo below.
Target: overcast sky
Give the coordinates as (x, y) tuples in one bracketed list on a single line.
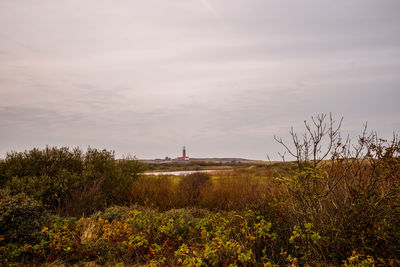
[(219, 76)]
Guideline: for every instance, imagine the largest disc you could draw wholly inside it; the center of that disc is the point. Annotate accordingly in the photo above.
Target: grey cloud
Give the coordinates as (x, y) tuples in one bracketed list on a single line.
[(218, 76), (31, 117)]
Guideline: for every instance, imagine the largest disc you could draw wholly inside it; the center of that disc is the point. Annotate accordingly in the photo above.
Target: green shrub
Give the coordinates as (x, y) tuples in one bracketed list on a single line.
[(119, 213), (22, 218), (189, 215), (70, 182)]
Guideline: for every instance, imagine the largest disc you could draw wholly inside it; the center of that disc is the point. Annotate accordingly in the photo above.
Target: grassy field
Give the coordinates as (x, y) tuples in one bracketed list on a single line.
[(200, 165)]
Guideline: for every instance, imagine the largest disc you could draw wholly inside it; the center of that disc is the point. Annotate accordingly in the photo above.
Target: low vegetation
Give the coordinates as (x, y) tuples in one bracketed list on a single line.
[(337, 203)]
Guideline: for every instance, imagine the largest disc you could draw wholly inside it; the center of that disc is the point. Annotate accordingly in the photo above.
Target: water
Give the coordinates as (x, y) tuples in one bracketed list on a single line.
[(177, 173)]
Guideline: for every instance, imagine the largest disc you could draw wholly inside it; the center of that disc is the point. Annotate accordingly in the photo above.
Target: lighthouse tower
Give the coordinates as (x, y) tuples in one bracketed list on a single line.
[(184, 157)]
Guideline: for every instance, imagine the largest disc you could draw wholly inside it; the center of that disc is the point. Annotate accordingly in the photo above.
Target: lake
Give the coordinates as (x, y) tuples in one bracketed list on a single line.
[(177, 173)]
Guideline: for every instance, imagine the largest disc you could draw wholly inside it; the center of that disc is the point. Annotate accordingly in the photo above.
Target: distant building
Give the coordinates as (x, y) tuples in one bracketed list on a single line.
[(184, 157)]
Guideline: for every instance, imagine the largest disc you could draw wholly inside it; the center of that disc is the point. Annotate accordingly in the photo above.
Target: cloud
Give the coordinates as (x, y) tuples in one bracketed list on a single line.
[(220, 77)]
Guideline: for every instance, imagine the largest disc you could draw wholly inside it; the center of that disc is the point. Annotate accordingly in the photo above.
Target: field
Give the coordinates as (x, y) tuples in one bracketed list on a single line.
[(62, 207)]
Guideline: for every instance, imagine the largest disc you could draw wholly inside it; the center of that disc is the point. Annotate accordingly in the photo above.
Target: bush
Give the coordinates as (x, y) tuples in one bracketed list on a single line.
[(119, 213), (188, 215), (70, 182), (22, 218), (352, 198), (156, 239)]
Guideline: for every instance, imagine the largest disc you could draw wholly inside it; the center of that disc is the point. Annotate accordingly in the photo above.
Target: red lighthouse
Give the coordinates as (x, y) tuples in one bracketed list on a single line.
[(184, 157)]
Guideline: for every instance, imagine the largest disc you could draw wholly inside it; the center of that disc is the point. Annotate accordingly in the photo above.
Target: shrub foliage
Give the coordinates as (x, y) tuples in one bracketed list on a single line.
[(21, 218), (70, 181)]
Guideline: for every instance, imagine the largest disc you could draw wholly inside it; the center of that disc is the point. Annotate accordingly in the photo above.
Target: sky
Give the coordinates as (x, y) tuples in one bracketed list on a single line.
[(222, 77)]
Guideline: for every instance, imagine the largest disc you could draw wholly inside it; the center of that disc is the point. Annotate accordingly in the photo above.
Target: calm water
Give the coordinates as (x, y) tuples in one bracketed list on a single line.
[(177, 173)]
